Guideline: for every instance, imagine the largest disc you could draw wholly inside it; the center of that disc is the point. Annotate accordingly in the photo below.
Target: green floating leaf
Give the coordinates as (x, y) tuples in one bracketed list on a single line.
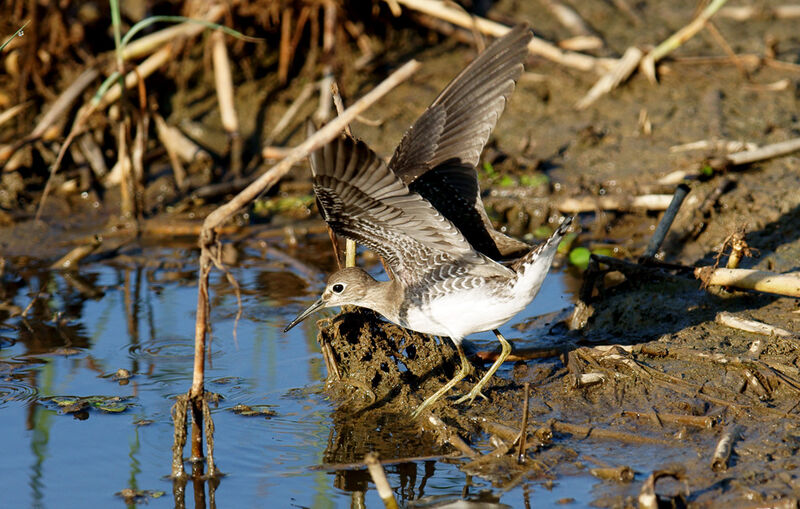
[(488, 169), (580, 257), (707, 170)]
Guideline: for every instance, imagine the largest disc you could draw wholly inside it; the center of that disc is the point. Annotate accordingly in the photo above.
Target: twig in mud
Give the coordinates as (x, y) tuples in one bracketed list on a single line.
[(620, 436), (223, 80), (722, 453), (697, 421), (612, 78), (787, 284), (739, 248), (520, 354), (727, 146), (766, 152), (593, 203), (449, 436), (379, 478), (666, 222), (754, 326), (537, 46), (523, 433), (677, 39), (10, 113)]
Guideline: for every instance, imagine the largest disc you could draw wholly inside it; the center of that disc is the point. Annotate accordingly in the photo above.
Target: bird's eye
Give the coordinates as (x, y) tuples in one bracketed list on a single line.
[(338, 288)]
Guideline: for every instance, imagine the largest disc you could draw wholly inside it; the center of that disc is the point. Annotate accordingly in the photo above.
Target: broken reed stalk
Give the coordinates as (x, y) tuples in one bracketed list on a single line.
[(223, 80), (666, 221), (350, 244), (677, 39), (523, 433), (208, 235), (754, 326), (787, 284), (537, 46), (381, 482), (722, 453)]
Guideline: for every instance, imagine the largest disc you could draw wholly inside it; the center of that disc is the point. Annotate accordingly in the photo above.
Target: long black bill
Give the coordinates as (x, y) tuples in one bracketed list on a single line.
[(302, 316)]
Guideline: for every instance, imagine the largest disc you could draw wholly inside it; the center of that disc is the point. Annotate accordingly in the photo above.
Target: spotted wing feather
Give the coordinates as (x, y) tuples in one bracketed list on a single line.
[(362, 199), (438, 154)]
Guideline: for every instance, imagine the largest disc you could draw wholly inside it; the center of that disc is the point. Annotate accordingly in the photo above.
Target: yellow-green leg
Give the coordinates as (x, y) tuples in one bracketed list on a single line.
[(466, 369), (476, 391)]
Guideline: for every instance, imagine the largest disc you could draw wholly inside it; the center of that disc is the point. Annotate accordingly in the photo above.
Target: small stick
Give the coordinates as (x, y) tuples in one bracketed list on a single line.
[(722, 453), (677, 39), (593, 203), (589, 431), (285, 53), (666, 221), (537, 46), (747, 279), (451, 437), (13, 111), (227, 110), (523, 433), (379, 478), (767, 152), (697, 421), (177, 168), (735, 322)]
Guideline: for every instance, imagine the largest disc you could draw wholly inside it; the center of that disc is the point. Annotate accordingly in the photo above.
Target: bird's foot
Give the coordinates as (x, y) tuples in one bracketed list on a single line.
[(469, 398)]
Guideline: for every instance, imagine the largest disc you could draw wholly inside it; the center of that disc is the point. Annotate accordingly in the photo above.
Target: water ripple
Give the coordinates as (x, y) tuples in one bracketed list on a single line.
[(12, 390)]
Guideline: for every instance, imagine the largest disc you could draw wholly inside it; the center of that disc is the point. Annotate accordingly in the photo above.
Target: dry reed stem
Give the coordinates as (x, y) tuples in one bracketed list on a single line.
[(223, 80), (593, 203), (677, 39), (747, 279), (162, 130), (537, 46), (747, 12), (722, 453), (12, 112), (766, 152), (70, 260), (620, 72), (378, 476), (151, 42), (284, 52), (754, 326)]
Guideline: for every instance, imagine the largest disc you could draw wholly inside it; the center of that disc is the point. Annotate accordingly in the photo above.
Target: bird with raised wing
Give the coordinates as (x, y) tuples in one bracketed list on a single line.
[(423, 214)]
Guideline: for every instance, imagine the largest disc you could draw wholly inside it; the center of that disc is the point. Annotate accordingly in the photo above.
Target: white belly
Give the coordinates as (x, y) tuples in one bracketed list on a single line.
[(464, 313)]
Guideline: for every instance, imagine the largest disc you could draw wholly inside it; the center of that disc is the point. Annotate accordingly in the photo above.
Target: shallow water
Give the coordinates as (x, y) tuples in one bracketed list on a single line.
[(140, 319)]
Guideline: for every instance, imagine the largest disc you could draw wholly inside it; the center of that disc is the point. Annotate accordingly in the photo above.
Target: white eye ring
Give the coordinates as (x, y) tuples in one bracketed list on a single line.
[(337, 288)]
